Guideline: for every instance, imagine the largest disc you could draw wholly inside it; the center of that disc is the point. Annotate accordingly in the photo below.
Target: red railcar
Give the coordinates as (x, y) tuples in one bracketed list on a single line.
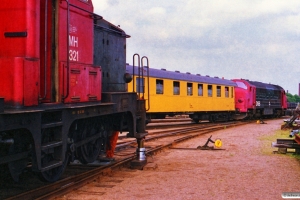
[(55, 57), (256, 99)]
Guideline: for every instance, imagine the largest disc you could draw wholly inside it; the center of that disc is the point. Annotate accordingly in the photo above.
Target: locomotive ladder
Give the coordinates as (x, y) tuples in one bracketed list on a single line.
[(52, 140), (140, 87)]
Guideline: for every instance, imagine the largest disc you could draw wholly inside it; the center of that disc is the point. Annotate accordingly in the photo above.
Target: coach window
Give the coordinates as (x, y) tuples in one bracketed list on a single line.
[(226, 92), (140, 85), (159, 86), (218, 91), (176, 88), (200, 89), (231, 92), (189, 89), (209, 90)]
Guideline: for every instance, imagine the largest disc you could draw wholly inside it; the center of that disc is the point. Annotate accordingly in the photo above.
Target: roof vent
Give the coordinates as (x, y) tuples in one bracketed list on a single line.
[(163, 69), (177, 71), (207, 76), (216, 77), (188, 73), (198, 74)]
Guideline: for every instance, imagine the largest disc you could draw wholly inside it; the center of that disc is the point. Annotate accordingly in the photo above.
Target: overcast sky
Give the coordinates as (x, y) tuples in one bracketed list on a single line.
[(257, 40)]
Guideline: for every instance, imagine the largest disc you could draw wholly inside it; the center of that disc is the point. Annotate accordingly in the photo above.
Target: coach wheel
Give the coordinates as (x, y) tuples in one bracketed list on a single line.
[(90, 151), (54, 174), (196, 121)]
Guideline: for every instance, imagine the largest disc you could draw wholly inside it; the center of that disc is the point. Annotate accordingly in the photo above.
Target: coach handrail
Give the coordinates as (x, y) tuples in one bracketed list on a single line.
[(148, 88)]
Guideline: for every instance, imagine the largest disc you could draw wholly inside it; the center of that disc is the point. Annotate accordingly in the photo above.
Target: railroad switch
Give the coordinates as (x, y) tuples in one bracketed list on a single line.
[(260, 122), (217, 143)]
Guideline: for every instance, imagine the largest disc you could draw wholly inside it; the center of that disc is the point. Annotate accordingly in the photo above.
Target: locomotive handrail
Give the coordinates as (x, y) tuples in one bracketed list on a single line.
[(46, 47), (68, 49), (147, 66), (134, 67)]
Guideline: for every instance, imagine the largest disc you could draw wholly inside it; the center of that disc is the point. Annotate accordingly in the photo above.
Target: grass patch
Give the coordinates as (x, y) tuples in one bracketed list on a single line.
[(267, 140)]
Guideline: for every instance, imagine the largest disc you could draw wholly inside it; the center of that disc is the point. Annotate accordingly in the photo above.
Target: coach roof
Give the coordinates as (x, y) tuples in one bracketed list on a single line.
[(164, 74)]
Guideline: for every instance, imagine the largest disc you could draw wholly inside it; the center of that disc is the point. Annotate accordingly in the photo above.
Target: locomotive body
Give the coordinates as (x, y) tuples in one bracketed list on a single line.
[(63, 92), (256, 99), (201, 97)]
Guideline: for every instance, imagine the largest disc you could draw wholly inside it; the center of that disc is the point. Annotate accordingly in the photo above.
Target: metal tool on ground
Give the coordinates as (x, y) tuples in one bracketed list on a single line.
[(260, 121), (217, 144)]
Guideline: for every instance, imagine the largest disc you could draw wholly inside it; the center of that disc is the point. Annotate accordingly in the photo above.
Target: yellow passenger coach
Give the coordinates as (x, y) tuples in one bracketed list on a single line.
[(172, 93)]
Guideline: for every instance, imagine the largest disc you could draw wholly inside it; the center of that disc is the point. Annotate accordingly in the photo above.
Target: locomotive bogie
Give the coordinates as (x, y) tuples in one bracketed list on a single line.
[(48, 137)]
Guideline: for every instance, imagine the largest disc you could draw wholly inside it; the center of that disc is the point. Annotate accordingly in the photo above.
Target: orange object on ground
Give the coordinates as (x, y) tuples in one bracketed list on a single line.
[(112, 144)]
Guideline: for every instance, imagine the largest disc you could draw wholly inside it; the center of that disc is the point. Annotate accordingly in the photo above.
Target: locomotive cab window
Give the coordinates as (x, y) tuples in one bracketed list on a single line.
[(209, 90), (176, 88), (159, 86), (140, 85), (218, 91), (200, 89), (189, 89)]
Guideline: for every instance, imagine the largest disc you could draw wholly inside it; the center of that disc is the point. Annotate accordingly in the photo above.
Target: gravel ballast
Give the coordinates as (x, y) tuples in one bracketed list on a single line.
[(246, 169)]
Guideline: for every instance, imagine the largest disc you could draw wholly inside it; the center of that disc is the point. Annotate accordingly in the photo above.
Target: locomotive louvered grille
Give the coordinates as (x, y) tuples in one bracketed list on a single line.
[(92, 98), (76, 98), (93, 73), (75, 71)]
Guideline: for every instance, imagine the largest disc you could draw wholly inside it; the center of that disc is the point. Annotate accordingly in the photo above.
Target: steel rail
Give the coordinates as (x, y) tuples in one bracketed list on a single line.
[(67, 185)]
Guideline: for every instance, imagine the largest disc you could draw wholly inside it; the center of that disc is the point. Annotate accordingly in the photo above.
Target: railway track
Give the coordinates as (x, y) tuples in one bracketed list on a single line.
[(78, 175)]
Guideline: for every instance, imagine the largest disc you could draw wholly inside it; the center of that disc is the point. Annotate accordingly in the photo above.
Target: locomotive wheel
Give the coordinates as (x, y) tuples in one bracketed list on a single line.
[(16, 167), (90, 151), (54, 174), (21, 144)]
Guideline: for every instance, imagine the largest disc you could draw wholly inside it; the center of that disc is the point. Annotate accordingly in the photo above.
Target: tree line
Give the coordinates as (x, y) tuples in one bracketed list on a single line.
[(292, 98)]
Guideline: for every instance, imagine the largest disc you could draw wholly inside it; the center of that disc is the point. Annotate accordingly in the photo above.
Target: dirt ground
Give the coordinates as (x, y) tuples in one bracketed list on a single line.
[(246, 169)]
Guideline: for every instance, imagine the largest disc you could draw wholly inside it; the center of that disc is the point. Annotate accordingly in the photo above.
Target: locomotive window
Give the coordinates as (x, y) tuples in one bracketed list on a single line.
[(176, 88), (140, 85), (159, 86), (209, 90), (218, 91), (226, 92), (200, 89), (189, 89), (241, 85)]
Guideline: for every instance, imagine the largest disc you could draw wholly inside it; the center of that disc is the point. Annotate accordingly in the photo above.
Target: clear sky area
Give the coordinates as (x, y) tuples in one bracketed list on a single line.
[(257, 40)]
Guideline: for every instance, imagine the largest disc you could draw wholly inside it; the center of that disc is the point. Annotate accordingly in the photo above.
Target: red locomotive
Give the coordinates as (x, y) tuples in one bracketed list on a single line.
[(257, 99), (63, 86)]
